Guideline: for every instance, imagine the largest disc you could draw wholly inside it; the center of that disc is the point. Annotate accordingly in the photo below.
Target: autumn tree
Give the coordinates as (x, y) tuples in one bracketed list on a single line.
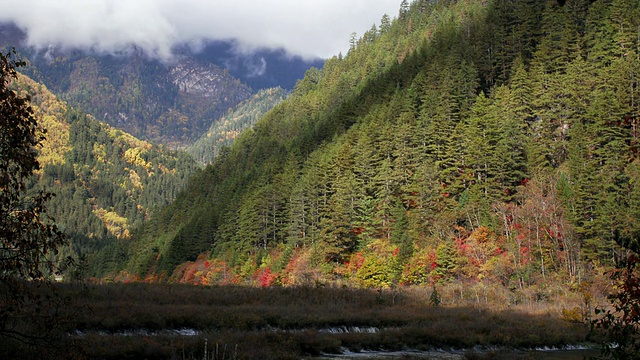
[(27, 236)]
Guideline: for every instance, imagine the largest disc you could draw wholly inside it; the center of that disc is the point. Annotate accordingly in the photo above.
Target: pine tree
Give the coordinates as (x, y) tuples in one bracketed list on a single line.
[(509, 154), (400, 235), (479, 139), (598, 36), (385, 24), (337, 225), (447, 262), (560, 40)]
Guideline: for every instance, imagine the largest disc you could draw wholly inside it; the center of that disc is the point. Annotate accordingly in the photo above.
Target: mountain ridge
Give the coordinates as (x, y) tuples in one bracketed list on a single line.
[(156, 102)]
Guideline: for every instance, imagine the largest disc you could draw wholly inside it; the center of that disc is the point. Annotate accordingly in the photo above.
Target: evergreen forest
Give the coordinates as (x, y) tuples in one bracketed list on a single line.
[(470, 142), (226, 129)]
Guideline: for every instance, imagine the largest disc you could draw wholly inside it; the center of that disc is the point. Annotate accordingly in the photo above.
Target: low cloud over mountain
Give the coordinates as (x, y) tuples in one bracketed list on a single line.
[(311, 29)]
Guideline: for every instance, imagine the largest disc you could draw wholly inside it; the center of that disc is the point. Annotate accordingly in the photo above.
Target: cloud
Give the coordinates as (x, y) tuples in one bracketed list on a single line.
[(309, 28), (256, 67)]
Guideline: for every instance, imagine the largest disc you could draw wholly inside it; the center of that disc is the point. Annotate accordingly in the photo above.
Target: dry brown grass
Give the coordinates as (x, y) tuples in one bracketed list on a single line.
[(291, 322)]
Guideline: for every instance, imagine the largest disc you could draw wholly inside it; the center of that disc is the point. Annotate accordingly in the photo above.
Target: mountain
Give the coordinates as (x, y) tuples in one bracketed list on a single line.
[(106, 182), (261, 69), (224, 131), (172, 102), (471, 142)]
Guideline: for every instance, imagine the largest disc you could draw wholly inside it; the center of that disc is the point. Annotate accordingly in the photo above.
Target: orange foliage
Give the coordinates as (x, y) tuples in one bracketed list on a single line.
[(205, 271), (479, 252), (355, 262), (299, 270), (266, 278)]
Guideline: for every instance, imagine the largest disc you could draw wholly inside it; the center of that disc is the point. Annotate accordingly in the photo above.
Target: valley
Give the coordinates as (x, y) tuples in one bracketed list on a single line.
[(464, 178)]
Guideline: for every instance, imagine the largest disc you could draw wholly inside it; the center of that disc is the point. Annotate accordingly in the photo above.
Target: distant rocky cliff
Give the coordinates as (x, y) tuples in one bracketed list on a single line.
[(166, 103)]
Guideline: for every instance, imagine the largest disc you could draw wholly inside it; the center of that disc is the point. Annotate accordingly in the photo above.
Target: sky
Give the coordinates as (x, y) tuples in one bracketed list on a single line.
[(306, 28)]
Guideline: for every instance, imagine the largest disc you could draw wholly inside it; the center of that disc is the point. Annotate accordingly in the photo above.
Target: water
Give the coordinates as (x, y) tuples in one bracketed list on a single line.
[(383, 355), (350, 330), (570, 353), (545, 353), (142, 332)]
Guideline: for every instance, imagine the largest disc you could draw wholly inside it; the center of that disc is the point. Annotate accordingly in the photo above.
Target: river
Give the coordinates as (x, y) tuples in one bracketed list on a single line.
[(577, 353)]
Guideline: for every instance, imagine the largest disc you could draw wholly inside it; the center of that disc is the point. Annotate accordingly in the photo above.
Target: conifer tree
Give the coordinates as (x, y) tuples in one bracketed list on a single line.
[(560, 38), (510, 158)]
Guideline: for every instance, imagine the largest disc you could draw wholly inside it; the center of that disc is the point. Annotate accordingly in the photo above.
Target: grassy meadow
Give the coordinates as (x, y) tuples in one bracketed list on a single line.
[(160, 321)]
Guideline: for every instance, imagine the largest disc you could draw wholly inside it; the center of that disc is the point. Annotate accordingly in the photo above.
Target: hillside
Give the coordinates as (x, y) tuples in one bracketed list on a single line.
[(225, 130), (106, 181), (464, 142)]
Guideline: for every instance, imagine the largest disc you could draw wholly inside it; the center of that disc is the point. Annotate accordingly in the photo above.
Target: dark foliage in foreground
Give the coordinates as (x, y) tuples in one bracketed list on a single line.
[(621, 321), (29, 310)]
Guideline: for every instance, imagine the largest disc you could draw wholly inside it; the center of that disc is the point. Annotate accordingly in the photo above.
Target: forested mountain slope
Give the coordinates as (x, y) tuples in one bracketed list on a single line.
[(106, 181), (477, 141), (225, 130)]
